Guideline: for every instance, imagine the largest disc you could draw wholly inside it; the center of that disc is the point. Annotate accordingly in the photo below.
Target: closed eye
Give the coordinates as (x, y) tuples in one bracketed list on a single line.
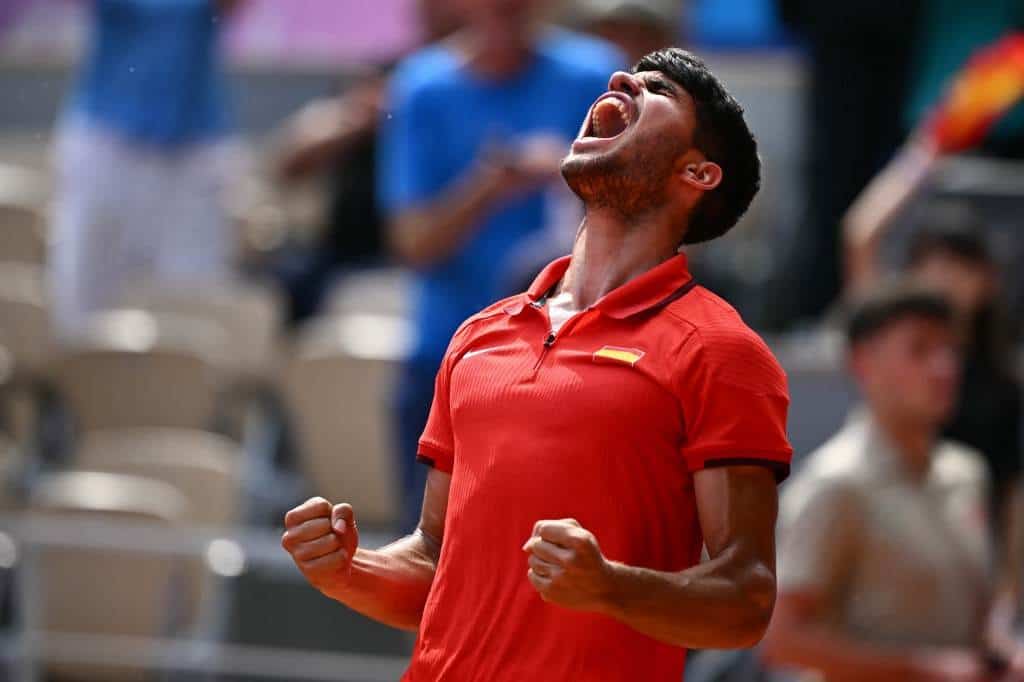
[(660, 87)]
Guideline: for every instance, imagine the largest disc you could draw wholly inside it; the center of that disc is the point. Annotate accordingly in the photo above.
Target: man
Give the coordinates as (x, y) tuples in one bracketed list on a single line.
[(883, 556), (609, 423), (636, 27), (468, 156), (338, 136), (143, 156)]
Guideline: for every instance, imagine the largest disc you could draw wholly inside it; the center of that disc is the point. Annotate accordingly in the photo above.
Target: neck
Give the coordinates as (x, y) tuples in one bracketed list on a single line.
[(609, 251), (496, 57), (912, 440)]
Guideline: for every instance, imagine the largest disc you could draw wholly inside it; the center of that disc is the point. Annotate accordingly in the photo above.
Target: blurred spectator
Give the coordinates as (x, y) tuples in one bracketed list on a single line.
[(141, 155), (949, 253), (884, 554), (859, 56), (475, 128), (637, 27), (339, 134)]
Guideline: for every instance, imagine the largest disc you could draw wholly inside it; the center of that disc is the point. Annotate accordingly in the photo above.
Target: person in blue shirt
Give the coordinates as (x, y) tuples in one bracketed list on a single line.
[(142, 155), (471, 137)]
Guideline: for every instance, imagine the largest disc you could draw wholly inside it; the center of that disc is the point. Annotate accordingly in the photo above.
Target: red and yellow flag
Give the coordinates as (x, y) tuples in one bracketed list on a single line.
[(985, 89)]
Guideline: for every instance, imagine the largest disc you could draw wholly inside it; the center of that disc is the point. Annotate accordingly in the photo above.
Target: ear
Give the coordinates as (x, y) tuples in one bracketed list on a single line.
[(702, 175)]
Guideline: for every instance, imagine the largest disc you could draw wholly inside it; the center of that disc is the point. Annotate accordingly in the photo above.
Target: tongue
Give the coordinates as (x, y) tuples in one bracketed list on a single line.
[(607, 120)]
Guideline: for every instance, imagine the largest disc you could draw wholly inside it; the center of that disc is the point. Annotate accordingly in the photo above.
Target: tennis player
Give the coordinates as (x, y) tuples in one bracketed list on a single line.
[(590, 436)]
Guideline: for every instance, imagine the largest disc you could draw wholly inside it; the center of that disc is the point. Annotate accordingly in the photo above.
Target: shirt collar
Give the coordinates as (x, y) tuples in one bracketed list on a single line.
[(658, 286), (881, 456)]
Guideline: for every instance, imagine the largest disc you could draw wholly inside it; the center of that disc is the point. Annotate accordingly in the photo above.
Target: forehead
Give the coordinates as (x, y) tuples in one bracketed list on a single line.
[(911, 328)]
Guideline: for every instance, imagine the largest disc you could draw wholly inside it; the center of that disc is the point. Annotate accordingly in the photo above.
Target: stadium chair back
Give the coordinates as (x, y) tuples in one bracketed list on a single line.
[(380, 291), (205, 467), (101, 591), (250, 315), (337, 389), (132, 369), (24, 317), (22, 236)]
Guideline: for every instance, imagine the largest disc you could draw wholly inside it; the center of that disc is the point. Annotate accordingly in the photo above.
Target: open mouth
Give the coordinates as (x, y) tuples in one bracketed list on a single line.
[(609, 118)]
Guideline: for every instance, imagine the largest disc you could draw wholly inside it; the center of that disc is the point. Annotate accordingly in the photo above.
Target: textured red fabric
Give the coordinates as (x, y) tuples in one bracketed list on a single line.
[(533, 431)]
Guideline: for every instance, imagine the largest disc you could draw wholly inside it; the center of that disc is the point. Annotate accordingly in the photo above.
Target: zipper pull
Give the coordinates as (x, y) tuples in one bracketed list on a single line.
[(549, 340)]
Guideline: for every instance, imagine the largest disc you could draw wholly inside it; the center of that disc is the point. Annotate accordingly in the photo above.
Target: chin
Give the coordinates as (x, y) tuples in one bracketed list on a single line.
[(589, 175)]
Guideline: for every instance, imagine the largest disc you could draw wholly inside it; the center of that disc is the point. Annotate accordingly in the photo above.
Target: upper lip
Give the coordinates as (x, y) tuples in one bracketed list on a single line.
[(631, 110)]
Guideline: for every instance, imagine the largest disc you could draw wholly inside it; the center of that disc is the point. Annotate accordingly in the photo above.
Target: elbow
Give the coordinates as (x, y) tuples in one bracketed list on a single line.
[(757, 600)]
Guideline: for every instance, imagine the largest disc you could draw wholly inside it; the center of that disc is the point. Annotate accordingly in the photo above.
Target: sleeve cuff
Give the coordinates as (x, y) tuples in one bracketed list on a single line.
[(778, 467), (778, 460), (434, 457)]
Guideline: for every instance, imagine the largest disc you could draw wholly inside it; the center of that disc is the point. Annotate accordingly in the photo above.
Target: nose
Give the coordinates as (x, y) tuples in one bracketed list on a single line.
[(625, 83)]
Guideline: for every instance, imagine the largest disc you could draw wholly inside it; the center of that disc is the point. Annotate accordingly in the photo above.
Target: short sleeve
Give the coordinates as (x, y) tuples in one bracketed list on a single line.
[(819, 533), (407, 158), (734, 402), (437, 444)]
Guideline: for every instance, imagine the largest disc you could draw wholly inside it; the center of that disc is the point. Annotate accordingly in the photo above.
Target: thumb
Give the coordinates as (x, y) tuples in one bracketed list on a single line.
[(342, 517)]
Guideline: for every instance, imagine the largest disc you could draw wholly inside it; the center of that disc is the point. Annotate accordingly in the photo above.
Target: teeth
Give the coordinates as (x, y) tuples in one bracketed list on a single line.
[(619, 106)]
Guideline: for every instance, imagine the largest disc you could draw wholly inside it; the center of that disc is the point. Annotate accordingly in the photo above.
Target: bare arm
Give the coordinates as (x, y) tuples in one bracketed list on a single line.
[(723, 603), (389, 584), (431, 232), (801, 637), (872, 212), (427, 234), (324, 130)]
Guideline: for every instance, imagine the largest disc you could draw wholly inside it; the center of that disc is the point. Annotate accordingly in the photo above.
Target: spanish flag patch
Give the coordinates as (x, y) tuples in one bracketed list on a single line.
[(627, 356)]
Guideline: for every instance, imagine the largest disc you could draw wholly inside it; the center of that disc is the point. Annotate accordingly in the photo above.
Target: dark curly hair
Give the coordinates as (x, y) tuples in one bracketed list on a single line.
[(721, 134)]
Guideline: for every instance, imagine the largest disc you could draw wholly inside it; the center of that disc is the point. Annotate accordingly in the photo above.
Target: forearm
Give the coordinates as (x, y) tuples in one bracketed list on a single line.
[(390, 584), (872, 213), (841, 658), (720, 604), (428, 234)]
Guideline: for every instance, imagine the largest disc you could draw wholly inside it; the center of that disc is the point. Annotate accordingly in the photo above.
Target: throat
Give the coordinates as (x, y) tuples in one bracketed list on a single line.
[(610, 252)]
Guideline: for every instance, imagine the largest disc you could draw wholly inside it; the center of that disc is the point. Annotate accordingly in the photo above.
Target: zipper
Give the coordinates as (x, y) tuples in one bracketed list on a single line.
[(549, 341), (551, 337)]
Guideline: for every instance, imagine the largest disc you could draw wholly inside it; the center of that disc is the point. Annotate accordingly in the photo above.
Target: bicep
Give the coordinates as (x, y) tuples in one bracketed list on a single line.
[(737, 507)]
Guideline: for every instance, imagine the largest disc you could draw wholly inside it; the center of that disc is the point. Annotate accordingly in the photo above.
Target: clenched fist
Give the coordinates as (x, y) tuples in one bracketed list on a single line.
[(321, 539), (567, 567)]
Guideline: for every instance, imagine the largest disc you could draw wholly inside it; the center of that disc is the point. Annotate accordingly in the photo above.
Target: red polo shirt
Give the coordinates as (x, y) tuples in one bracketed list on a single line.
[(604, 422)]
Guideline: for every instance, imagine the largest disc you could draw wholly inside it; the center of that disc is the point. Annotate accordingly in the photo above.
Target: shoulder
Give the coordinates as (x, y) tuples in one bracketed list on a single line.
[(425, 70), (580, 55), (717, 339), (955, 464), (480, 321)]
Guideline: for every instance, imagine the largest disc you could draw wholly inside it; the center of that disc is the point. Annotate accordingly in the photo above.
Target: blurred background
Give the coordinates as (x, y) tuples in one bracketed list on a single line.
[(236, 236)]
